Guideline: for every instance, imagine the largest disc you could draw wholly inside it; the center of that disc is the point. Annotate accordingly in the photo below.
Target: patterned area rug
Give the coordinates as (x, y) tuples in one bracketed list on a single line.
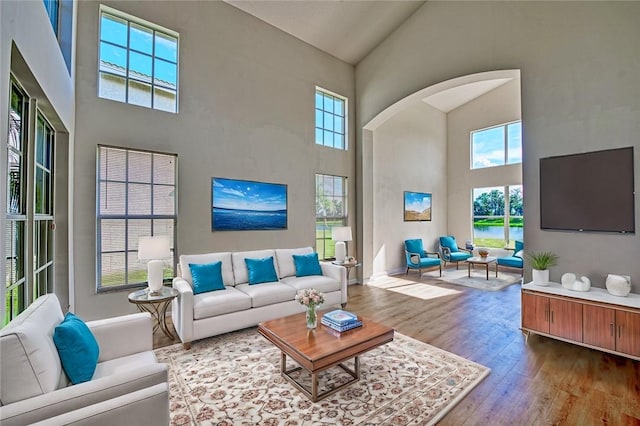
[(479, 278), (234, 379)]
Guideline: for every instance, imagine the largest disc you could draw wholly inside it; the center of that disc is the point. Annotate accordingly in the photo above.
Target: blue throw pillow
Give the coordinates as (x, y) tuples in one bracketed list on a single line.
[(414, 246), (206, 277), (77, 348), (261, 270), (307, 264), (449, 242)]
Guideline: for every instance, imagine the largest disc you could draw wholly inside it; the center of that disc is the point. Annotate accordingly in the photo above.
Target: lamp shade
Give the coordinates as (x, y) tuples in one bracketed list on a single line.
[(154, 248), (341, 233)]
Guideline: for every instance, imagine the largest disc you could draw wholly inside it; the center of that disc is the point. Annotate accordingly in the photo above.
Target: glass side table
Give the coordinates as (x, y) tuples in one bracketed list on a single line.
[(156, 303)]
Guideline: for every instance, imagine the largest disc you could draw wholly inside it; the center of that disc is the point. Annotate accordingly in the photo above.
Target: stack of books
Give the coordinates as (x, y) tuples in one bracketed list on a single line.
[(340, 320)]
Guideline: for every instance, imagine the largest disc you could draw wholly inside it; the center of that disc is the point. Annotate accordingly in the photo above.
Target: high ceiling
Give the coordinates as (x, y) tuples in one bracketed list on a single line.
[(350, 29), (346, 29)]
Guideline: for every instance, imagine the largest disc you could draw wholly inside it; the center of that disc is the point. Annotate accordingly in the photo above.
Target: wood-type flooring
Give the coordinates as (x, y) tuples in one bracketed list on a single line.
[(539, 382)]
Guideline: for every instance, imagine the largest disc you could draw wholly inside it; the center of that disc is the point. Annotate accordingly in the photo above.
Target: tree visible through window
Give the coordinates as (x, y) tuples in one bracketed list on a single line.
[(138, 62), (497, 221), (136, 198), (331, 210)]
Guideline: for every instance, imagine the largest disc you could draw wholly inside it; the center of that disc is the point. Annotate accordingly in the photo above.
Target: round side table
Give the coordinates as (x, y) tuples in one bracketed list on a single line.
[(156, 303), (348, 266)]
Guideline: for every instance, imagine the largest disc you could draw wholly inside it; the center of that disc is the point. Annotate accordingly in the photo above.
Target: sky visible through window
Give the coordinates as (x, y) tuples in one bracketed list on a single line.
[(142, 40), (330, 120), (138, 63), (489, 146)]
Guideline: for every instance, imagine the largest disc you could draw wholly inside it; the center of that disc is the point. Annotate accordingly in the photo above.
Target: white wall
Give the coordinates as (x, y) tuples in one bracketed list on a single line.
[(246, 111), (580, 75), (499, 106), (29, 49), (409, 152)]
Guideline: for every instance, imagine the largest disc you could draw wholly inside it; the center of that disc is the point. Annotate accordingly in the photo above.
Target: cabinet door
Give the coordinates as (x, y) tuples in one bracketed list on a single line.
[(598, 326), (535, 312), (628, 332), (566, 319)]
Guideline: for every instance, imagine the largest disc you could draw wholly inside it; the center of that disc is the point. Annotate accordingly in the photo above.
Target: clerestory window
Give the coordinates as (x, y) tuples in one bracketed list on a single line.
[(138, 62), (496, 146), (330, 119)]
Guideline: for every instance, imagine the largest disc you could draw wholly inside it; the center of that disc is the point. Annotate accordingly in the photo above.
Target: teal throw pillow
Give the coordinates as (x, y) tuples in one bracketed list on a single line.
[(414, 246), (206, 277), (77, 348), (307, 264), (449, 242), (261, 270)]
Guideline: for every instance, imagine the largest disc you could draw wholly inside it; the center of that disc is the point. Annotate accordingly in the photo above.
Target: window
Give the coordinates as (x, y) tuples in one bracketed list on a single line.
[(330, 119), (43, 209), (16, 214), (30, 208), (497, 221), (138, 62), (331, 210), (497, 146), (136, 197), (52, 7)]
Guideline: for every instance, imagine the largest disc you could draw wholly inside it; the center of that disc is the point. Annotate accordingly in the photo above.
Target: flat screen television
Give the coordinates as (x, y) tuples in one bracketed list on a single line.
[(592, 191)]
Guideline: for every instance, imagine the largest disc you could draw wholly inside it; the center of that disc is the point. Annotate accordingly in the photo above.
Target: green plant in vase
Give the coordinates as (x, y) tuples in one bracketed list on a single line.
[(540, 262)]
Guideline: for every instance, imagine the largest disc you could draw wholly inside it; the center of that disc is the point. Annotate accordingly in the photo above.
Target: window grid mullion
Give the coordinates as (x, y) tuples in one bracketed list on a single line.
[(127, 67), (153, 74), (128, 218)]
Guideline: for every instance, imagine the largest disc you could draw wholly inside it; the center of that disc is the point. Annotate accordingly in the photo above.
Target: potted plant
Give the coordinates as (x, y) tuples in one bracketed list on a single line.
[(541, 261)]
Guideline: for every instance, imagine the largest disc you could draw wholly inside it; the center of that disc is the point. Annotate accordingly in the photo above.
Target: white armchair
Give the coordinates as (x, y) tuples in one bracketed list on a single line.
[(33, 386)]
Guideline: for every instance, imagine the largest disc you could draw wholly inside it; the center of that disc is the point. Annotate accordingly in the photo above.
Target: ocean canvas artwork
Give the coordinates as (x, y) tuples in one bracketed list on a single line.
[(241, 205)]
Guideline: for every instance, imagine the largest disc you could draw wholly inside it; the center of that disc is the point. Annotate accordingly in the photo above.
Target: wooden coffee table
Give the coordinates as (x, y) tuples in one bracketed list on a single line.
[(320, 349), (477, 260)]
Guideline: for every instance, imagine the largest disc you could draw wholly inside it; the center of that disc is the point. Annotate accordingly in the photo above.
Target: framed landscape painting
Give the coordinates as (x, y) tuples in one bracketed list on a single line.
[(417, 206), (241, 205)]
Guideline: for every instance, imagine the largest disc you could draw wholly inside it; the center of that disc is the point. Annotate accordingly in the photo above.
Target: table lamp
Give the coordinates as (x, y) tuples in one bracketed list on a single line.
[(153, 249), (340, 234)]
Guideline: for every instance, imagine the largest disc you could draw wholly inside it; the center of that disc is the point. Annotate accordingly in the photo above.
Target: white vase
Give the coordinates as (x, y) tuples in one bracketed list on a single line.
[(540, 277), (618, 285)]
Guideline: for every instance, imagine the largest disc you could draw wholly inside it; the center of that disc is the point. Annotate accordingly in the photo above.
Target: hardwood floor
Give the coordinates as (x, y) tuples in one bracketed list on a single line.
[(542, 382)]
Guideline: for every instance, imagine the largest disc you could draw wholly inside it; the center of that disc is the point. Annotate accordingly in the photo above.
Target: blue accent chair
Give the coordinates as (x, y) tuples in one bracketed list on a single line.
[(514, 261), (418, 258), (450, 252)]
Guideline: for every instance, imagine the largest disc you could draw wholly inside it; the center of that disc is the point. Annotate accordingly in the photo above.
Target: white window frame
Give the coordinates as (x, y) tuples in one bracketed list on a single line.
[(127, 217), (337, 220), (345, 120), (505, 146), (127, 75)]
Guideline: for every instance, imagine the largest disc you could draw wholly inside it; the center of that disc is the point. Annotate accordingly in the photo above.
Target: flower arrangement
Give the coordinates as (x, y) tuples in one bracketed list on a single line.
[(311, 298)]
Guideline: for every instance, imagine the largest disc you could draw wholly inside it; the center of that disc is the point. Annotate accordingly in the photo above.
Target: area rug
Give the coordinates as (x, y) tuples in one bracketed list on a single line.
[(234, 379), (479, 280)]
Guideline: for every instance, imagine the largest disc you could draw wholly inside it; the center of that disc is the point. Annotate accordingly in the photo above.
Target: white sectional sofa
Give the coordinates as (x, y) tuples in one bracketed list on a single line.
[(242, 305)]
